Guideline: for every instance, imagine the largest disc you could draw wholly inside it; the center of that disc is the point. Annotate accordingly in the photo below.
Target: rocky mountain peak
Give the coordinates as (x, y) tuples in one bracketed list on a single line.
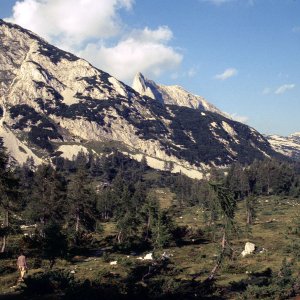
[(288, 146), (173, 95), (147, 87), (295, 135), (54, 104)]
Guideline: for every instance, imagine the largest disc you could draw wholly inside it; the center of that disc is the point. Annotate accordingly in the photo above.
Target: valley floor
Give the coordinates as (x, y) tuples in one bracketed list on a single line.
[(275, 232)]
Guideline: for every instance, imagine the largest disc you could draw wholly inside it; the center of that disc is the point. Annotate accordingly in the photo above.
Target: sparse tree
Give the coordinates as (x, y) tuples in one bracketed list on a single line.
[(226, 205), (250, 208)]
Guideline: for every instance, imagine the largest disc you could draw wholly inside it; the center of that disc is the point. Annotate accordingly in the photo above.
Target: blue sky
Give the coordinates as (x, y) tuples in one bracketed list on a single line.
[(241, 55)]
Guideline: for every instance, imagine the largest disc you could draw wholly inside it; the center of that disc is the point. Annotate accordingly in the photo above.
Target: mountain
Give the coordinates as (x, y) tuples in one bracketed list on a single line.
[(56, 104), (173, 95), (288, 146)]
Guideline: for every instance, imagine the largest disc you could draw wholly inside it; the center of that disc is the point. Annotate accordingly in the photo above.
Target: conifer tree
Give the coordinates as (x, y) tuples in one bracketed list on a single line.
[(8, 194), (250, 208), (149, 213), (105, 203), (81, 196), (237, 181), (226, 205), (161, 231), (48, 197), (54, 242)]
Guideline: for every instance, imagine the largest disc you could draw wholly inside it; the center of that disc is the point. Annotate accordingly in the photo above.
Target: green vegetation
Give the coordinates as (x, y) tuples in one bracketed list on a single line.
[(86, 225)]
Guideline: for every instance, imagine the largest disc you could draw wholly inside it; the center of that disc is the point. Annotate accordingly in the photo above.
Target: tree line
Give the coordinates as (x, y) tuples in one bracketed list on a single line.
[(70, 199)]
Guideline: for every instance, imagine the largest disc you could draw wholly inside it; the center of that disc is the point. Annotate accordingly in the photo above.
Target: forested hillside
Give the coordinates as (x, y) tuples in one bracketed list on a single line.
[(113, 206)]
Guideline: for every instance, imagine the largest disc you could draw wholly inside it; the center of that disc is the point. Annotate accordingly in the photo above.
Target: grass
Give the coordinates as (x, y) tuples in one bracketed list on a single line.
[(274, 229)]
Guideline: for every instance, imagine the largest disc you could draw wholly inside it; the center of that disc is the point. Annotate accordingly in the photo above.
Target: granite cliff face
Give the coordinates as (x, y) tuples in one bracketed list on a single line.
[(54, 103)]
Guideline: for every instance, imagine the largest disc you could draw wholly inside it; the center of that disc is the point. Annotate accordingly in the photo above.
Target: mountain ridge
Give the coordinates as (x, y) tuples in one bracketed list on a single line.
[(51, 98), (288, 146), (173, 95)]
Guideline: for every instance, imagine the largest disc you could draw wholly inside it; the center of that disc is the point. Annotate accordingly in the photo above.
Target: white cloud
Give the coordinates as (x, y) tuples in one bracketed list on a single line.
[(227, 74), (296, 29), (142, 50), (236, 117), (94, 30), (68, 21), (285, 87), (218, 2), (266, 91), (191, 72), (175, 75)]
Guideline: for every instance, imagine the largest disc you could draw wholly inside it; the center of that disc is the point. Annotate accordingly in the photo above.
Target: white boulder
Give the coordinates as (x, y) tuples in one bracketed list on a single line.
[(148, 256), (249, 249)]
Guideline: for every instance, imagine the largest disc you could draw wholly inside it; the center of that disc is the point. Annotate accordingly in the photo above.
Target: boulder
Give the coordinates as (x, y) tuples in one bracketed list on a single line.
[(148, 256), (249, 249)]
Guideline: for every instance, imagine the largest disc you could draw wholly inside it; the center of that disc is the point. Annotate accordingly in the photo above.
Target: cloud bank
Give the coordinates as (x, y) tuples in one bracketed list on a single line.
[(239, 118), (218, 2), (230, 72), (94, 30), (142, 50), (285, 87)]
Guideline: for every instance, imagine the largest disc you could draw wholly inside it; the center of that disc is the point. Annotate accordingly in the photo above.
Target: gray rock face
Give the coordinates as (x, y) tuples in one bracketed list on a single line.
[(50, 98), (173, 95), (288, 146)]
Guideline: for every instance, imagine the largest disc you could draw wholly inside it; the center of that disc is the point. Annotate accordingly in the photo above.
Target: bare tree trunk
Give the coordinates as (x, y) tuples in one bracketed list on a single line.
[(148, 226), (119, 237), (77, 223), (249, 217), (4, 239), (220, 259)]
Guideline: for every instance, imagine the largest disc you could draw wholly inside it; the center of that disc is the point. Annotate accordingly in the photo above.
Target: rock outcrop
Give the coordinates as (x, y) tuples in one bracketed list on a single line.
[(288, 146), (249, 249), (173, 95)]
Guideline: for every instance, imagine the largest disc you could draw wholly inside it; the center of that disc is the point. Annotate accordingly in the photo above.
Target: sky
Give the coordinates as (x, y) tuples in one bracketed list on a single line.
[(243, 56)]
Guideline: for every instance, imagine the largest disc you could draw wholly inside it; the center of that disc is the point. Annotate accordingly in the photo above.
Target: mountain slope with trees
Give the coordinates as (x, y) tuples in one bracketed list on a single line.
[(51, 99)]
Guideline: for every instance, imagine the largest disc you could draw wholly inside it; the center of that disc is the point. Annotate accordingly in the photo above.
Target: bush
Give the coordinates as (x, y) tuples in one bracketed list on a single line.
[(46, 283)]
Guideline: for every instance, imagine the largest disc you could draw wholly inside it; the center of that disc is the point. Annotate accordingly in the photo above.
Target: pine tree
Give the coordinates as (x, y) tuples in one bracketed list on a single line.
[(54, 242), (48, 197), (8, 194), (149, 213), (250, 209), (226, 205), (105, 203), (161, 231), (81, 198), (237, 181), (127, 225)]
